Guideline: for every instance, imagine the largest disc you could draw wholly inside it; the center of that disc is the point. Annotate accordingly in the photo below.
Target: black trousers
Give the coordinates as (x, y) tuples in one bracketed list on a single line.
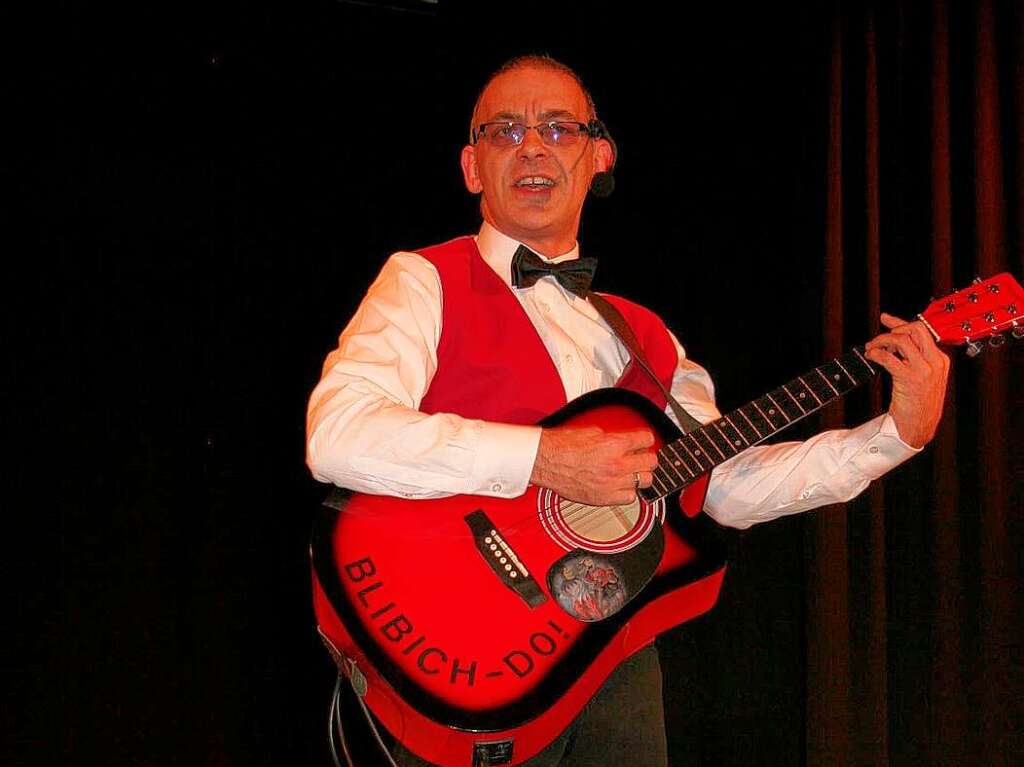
[(624, 724)]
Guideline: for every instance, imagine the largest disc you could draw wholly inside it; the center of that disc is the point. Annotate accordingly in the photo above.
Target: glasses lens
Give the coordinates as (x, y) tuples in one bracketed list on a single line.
[(559, 133), (504, 134)]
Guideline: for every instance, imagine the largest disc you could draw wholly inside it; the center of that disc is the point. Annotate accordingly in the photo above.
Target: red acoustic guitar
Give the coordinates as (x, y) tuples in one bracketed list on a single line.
[(477, 628)]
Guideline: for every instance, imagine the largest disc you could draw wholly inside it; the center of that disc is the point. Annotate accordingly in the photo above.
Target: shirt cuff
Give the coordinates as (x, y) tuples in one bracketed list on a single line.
[(504, 459), (881, 451)]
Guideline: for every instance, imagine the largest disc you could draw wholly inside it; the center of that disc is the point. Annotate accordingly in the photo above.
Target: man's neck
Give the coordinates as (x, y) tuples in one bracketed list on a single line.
[(549, 247)]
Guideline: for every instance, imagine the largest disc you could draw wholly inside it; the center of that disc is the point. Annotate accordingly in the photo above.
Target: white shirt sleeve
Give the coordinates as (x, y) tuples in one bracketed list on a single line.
[(364, 429), (770, 481)]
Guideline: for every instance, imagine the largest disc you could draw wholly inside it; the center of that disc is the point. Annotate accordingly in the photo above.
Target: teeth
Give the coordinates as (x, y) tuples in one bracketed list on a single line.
[(535, 181)]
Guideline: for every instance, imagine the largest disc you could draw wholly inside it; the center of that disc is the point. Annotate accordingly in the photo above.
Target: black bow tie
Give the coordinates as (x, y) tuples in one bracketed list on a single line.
[(574, 275)]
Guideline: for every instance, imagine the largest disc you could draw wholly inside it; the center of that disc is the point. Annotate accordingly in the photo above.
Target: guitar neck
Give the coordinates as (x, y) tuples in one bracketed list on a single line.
[(699, 451)]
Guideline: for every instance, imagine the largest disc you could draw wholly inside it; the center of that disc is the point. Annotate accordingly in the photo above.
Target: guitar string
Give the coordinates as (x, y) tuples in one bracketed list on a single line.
[(576, 523), (575, 517), (593, 514), (590, 510), (577, 513), (580, 512)]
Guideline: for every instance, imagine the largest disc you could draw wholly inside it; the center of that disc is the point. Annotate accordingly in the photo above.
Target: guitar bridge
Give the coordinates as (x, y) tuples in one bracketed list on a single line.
[(502, 559)]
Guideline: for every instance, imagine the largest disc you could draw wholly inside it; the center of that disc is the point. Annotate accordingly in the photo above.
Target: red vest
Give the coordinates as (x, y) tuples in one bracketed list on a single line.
[(492, 365)]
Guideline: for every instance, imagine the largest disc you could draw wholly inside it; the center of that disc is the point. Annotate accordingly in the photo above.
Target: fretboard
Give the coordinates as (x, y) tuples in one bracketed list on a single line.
[(699, 451)]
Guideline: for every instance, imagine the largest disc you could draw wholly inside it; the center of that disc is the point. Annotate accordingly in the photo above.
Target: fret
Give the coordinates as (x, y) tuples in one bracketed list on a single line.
[(825, 379), (788, 404), (674, 462), (695, 456), (819, 388), (698, 451), (863, 361), (667, 478), (671, 477), (803, 410), (767, 411), (838, 376), (703, 432), (752, 426), (758, 413), (666, 487), (737, 443), (735, 448), (813, 394), (853, 380), (779, 408), (680, 460)]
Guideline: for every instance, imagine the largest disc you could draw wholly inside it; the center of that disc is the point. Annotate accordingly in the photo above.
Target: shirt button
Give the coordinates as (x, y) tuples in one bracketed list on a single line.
[(873, 449), (545, 306), (569, 358), (496, 487)]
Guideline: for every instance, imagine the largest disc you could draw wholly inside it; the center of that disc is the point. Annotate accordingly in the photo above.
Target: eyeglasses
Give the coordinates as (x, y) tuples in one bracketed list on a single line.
[(553, 133)]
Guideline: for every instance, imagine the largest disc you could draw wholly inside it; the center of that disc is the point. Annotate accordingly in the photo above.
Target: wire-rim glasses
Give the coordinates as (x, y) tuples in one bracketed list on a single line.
[(505, 133)]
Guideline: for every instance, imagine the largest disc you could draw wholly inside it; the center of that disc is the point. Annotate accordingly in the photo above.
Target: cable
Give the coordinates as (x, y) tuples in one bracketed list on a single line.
[(334, 720), (376, 733), (341, 732)]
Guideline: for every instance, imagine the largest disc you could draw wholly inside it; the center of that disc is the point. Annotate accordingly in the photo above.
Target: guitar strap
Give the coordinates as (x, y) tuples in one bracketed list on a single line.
[(618, 324)]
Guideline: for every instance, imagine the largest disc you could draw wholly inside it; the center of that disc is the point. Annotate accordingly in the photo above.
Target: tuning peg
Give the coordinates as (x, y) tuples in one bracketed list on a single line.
[(974, 349), (976, 281), (1018, 331), (997, 340)]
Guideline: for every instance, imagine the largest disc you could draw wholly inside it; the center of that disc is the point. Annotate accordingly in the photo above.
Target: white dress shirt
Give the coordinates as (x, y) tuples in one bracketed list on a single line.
[(365, 432)]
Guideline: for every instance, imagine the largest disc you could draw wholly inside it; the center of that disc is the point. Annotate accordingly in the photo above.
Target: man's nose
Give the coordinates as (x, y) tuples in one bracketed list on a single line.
[(533, 145)]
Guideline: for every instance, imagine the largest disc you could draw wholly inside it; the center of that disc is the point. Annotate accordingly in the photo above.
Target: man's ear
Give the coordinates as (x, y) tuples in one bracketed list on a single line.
[(470, 174), (604, 155)]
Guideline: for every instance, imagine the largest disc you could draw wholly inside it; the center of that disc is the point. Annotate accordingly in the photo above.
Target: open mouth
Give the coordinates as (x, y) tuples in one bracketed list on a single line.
[(534, 183)]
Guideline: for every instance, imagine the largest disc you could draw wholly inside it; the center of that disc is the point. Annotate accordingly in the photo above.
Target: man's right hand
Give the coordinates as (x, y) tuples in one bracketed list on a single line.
[(592, 466)]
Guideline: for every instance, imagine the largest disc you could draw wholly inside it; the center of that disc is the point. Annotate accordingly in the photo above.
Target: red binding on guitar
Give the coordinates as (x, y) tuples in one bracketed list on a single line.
[(482, 626)]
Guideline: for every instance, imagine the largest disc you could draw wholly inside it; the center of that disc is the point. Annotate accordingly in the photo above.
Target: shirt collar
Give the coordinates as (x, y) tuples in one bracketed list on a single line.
[(497, 250)]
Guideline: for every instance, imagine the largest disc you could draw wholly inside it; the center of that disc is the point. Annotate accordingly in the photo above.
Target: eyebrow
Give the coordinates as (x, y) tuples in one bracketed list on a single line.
[(545, 116)]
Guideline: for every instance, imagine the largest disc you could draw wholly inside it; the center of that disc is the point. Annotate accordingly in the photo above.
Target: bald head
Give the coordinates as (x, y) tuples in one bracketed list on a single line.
[(533, 61)]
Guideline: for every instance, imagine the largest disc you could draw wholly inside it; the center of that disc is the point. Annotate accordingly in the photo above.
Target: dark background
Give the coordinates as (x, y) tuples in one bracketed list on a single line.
[(220, 186)]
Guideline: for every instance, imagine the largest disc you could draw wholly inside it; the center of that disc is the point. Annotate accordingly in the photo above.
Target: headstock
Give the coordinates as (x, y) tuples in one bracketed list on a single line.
[(986, 309)]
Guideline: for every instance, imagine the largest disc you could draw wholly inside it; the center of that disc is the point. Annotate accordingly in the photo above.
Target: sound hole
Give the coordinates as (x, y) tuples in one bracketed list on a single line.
[(600, 524)]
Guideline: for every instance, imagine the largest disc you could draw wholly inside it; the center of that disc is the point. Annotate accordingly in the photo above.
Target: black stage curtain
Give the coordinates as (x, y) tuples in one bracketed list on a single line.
[(913, 598), (222, 182)]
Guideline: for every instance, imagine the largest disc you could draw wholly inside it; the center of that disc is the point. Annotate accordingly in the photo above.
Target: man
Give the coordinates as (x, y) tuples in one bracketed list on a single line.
[(412, 404)]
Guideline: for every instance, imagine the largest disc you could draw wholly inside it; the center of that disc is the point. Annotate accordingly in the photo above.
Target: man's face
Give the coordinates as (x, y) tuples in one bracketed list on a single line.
[(544, 216)]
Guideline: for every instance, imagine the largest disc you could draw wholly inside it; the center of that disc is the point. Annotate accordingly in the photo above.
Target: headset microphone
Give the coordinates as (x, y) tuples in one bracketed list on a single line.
[(603, 182)]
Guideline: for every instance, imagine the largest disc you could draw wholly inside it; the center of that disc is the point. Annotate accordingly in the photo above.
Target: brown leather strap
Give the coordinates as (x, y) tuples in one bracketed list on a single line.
[(618, 324)]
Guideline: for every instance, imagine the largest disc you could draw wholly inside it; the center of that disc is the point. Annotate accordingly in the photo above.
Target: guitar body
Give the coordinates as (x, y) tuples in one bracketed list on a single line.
[(483, 626)]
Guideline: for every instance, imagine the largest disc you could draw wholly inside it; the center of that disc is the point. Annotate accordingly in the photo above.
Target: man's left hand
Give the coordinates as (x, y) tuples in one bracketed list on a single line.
[(919, 373)]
